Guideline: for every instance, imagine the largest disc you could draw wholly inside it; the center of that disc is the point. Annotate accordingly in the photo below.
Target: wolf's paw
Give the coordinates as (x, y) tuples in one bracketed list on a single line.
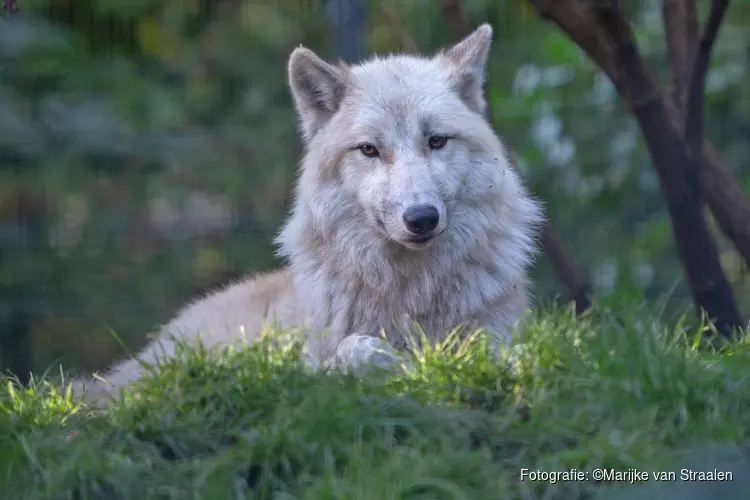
[(357, 354)]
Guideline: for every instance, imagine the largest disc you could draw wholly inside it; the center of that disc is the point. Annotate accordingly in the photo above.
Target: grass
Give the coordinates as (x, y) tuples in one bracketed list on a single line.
[(605, 392)]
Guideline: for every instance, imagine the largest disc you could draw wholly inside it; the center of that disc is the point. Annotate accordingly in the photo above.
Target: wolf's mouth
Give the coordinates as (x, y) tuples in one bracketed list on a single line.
[(421, 241), (422, 238)]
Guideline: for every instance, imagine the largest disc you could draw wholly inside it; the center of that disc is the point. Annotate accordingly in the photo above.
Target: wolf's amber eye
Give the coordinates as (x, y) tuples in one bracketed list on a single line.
[(437, 141), (369, 150)]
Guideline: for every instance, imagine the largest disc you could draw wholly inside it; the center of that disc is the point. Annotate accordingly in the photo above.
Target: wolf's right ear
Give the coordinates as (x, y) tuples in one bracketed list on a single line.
[(317, 88)]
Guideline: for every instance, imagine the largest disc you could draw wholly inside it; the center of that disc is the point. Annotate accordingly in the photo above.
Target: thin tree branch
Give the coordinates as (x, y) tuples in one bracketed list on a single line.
[(575, 21), (631, 74), (674, 17), (691, 21), (407, 42), (694, 114), (454, 14), (572, 276)]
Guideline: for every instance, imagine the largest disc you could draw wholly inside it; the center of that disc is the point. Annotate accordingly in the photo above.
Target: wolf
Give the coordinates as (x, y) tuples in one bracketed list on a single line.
[(406, 211)]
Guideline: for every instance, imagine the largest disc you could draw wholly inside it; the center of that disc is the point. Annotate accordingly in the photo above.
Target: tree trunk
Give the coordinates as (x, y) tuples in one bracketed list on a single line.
[(659, 120), (721, 191), (675, 162), (695, 246)]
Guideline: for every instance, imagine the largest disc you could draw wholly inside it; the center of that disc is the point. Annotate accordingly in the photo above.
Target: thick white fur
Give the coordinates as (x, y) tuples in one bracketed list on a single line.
[(351, 273)]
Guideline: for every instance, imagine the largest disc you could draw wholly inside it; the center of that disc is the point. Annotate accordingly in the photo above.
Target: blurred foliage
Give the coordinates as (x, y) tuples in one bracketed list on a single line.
[(148, 149)]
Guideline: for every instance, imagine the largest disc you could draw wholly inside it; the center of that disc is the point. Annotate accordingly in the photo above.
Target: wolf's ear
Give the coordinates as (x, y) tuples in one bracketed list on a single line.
[(468, 63), (317, 88)]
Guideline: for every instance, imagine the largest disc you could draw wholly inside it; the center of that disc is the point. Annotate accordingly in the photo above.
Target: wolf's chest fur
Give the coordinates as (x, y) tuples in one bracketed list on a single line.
[(432, 290)]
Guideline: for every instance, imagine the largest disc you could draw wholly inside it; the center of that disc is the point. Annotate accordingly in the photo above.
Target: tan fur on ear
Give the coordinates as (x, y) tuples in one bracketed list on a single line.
[(317, 89), (468, 63)]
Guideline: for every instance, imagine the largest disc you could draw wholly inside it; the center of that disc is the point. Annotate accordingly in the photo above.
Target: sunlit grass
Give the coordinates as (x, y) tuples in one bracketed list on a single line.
[(610, 391)]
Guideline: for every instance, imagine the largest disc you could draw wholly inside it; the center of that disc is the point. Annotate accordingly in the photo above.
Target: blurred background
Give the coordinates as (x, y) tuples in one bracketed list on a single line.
[(148, 149)]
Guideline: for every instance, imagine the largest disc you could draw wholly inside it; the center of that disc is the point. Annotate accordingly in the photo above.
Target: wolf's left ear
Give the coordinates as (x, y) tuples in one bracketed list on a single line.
[(468, 63), (317, 88)]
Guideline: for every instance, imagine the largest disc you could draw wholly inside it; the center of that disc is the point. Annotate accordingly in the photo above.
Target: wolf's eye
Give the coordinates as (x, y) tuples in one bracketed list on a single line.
[(437, 141), (369, 150)]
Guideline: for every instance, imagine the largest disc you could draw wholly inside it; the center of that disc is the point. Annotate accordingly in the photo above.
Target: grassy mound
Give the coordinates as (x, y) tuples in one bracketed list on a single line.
[(618, 393)]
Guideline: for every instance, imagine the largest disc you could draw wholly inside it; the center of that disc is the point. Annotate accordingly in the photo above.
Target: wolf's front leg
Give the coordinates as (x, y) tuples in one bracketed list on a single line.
[(357, 354)]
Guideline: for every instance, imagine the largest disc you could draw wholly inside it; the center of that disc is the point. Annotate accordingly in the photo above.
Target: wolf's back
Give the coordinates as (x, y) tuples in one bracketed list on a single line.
[(238, 312)]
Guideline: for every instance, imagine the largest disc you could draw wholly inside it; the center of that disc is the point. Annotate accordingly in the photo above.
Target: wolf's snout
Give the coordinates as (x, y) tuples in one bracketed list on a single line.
[(421, 219)]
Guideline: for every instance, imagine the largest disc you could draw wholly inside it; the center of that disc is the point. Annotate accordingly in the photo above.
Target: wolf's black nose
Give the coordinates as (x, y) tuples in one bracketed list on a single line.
[(421, 219)]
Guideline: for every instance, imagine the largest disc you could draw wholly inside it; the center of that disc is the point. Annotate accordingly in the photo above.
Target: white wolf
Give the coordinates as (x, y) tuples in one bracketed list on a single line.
[(406, 210)]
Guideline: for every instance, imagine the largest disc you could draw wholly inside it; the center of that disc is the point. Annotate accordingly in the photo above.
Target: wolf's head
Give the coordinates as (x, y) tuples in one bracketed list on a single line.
[(399, 144)]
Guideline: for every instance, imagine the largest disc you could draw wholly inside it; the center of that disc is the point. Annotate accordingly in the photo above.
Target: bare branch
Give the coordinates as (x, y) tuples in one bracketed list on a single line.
[(610, 16), (407, 42), (571, 275), (575, 20), (678, 47), (456, 18), (631, 74), (691, 21), (694, 113)]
